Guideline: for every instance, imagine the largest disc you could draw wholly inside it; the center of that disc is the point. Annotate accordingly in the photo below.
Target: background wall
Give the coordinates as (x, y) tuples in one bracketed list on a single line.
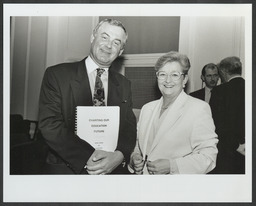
[(39, 42), (209, 40), (68, 38), (28, 48), (18, 69), (150, 34)]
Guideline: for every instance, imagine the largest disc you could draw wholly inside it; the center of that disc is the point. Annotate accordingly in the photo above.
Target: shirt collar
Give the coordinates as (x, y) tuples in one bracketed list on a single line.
[(91, 66), (207, 89), (237, 76)]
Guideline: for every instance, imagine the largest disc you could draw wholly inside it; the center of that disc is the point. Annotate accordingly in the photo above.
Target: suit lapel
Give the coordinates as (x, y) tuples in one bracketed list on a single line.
[(172, 116), (114, 92), (203, 92), (80, 86)]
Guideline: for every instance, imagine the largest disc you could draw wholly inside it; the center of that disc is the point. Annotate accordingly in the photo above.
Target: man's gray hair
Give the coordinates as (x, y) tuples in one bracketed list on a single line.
[(112, 22), (231, 65)]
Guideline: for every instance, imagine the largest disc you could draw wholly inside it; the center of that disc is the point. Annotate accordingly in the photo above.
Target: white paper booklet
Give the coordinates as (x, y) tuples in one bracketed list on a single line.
[(99, 126)]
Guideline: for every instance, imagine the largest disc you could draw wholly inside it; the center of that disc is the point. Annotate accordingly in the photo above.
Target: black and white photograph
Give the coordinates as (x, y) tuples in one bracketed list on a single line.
[(127, 103)]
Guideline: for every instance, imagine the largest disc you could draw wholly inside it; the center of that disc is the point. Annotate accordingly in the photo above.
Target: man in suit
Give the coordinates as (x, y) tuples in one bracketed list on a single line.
[(210, 77), (68, 85), (228, 110)]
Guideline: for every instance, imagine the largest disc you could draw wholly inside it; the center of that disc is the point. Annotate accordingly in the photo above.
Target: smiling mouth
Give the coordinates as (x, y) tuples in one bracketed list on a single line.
[(105, 51), (168, 86)]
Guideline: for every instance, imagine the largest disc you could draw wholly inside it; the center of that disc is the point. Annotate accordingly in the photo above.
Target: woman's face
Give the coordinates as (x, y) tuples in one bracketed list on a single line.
[(168, 79)]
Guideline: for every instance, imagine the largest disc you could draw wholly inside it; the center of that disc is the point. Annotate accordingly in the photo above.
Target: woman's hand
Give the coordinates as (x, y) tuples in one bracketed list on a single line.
[(137, 163), (161, 166)]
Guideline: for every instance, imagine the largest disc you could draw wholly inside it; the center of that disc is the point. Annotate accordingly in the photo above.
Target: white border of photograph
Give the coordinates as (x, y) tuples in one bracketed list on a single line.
[(130, 188)]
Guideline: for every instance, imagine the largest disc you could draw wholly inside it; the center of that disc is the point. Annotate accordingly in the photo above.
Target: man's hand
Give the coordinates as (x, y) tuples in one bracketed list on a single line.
[(102, 162), (161, 166), (241, 149)]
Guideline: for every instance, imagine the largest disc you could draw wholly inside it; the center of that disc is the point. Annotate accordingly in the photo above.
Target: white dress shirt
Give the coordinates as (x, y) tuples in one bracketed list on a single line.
[(207, 94), (235, 76), (92, 67)]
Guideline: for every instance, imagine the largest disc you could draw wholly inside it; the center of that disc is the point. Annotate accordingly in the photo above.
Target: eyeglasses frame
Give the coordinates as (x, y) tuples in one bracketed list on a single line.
[(169, 75)]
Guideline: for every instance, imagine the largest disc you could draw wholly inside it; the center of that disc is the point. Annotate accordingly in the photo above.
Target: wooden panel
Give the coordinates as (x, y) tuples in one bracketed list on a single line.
[(19, 46), (36, 66), (150, 34), (69, 38), (144, 85)]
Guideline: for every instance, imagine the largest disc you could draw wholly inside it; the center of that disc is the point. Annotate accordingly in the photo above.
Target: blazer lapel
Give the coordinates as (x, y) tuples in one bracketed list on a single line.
[(174, 113), (144, 135), (81, 87)]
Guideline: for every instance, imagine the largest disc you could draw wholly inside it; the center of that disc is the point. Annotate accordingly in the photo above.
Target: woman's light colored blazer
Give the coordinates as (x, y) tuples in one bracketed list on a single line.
[(186, 136)]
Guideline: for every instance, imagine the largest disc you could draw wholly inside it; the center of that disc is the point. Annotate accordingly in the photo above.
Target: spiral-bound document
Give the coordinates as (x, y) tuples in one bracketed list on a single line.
[(99, 126)]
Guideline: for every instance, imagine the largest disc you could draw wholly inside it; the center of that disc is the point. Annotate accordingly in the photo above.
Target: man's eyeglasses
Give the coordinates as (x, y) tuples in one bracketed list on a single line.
[(175, 76)]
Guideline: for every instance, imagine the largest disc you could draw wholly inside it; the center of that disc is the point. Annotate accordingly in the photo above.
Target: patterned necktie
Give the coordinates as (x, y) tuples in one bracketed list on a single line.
[(99, 97)]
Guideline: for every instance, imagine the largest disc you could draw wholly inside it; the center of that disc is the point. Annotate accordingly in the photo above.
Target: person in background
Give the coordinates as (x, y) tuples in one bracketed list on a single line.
[(210, 77), (228, 109), (175, 134), (68, 85)]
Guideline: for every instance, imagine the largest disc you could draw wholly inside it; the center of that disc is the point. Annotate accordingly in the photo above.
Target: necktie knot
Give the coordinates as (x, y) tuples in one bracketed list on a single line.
[(100, 72)]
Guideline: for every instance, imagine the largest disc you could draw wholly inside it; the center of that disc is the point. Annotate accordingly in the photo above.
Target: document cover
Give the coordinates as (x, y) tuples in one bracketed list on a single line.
[(99, 126)]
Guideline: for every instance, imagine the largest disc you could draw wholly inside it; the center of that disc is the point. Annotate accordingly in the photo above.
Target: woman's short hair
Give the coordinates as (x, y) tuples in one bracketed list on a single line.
[(173, 56), (112, 22)]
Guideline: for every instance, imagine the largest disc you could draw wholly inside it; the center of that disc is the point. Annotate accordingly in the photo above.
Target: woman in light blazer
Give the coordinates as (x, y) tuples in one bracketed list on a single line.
[(175, 133)]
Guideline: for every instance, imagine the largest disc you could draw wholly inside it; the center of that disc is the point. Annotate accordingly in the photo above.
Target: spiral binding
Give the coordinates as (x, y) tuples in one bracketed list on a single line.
[(76, 121)]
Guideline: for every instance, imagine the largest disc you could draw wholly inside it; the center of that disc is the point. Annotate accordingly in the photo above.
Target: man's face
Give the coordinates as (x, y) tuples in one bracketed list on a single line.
[(107, 44), (211, 77)]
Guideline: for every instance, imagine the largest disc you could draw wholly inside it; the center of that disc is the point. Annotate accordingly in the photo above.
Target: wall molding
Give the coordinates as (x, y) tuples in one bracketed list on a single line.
[(140, 60), (25, 112), (12, 31)]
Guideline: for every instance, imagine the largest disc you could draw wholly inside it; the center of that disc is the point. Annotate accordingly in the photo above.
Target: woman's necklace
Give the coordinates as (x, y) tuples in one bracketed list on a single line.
[(164, 108)]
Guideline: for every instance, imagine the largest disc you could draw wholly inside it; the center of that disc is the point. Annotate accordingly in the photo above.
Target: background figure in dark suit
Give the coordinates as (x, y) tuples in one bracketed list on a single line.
[(210, 77), (228, 110), (68, 85)]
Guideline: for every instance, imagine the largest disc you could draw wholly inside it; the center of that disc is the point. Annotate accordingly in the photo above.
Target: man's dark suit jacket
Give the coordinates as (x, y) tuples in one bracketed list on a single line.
[(64, 87), (228, 110), (200, 94)]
